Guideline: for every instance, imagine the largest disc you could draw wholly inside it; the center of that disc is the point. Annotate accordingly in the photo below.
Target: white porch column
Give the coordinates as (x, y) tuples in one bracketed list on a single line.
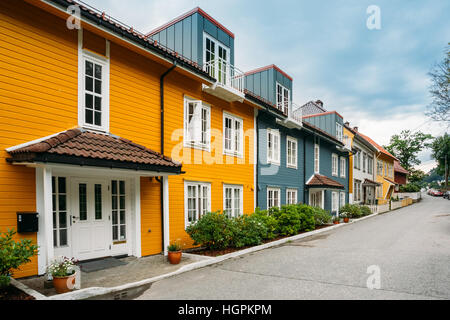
[(166, 214), (137, 217), (45, 210)]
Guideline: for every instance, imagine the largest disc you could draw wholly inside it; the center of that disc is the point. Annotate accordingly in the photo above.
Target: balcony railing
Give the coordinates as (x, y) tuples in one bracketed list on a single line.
[(226, 74), (293, 111)]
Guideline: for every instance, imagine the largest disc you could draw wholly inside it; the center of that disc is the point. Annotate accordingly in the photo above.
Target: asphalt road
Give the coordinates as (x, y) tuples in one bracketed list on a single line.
[(410, 246)]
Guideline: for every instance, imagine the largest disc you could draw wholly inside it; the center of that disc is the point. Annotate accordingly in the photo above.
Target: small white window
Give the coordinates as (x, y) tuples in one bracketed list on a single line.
[(292, 151), (334, 165), (273, 146), (339, 132), (233, 202), (197, 123), (273, 197), (316, 158), (291, 196), (343, 167), (233, 137), (94, 92), (342, 203), (197, 197), (315, 199), (334, 201)]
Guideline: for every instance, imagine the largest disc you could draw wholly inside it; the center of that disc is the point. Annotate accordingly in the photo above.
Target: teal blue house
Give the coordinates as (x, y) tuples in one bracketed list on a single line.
[(301, 156)]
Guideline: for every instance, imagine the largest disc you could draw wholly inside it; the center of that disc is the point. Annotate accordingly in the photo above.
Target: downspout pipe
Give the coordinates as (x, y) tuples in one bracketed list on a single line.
[(160, 180)]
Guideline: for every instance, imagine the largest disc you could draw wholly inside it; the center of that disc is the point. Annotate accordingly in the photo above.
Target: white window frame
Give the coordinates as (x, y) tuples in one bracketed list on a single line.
[(217, 43), (197, 144), (284, 100), (291, 196), (342, 199), (339, 132), (233, 151), (334, 201), (334, 165), (343, 163), (104, 62), (316, 158), (200, 209), (235, 212), (369, 164), (273, 190), (273, 154), (291, 162)]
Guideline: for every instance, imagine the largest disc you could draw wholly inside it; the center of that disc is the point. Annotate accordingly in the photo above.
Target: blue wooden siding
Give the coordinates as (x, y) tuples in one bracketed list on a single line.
[(186, 37), (326, 122), (287, 178), (264, 83)]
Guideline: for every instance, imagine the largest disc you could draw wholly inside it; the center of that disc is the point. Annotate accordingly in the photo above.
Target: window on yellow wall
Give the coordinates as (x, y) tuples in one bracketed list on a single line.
[(233, 204), (197, 124)]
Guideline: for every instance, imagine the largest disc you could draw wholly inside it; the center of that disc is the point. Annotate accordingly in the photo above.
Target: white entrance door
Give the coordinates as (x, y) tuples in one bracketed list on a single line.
[(91, 223)]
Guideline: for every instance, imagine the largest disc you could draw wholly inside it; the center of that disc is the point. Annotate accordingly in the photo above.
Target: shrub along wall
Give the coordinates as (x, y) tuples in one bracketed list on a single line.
[(215, 230)]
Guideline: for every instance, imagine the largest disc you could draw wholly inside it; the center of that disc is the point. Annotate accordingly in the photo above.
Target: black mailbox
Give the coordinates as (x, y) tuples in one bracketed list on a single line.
[(27, 222)]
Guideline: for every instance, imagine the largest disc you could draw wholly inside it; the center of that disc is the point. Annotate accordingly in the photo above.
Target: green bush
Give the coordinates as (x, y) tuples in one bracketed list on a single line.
[(321, 216), (13, 254), (365, 210), (213, 230), (248, 230), (351, 211), (410, 187), (306, 216), (269, 221), (289, 221)]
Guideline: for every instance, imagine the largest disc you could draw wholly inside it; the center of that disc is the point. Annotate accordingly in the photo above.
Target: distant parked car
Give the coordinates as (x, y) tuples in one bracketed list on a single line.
[(437, 193), (447, 195)]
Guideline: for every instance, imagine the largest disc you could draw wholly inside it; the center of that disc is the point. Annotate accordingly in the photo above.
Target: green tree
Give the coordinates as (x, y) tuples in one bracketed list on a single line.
[(407, 145), (439, 109), (416, 176), (441, 152)]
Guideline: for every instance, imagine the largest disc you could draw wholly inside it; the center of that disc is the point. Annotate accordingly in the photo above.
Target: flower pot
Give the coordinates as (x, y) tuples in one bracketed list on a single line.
[(174, 257), (64, 284), (336, 222), (346, 220)]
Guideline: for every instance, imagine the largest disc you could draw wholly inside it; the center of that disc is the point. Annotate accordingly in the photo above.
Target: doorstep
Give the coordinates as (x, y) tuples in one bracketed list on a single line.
[(134, 289)]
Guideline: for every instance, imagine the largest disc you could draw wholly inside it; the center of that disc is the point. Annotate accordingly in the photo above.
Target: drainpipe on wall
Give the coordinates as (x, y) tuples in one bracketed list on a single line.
[(161, 179)]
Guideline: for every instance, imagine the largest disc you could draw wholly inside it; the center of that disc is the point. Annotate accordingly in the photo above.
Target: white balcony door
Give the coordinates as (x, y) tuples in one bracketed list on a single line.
[(90, 217), (217, 58)]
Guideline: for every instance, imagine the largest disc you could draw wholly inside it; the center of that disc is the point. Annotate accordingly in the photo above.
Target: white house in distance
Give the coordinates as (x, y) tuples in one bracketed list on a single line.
[(364, 175)]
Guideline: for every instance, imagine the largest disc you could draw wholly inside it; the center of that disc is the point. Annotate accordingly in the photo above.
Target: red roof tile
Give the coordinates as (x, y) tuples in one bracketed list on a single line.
[(398, 168), (376, 145), (322, 181), (86, 144)]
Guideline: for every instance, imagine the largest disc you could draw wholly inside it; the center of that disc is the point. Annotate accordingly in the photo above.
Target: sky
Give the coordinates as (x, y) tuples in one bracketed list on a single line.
[(376, 79)]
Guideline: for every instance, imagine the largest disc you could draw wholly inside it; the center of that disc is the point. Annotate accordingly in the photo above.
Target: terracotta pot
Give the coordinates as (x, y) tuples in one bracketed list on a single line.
[(64, 284), (346, 220), (174, 257), (336, 222)]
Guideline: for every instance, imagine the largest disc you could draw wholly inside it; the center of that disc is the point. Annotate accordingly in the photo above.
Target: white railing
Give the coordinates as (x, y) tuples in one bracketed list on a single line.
[(226, 74), (292, 110)]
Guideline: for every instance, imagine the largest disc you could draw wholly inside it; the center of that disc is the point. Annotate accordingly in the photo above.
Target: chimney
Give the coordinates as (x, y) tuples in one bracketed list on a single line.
[(347, 124), (320, 103), (356, 129)]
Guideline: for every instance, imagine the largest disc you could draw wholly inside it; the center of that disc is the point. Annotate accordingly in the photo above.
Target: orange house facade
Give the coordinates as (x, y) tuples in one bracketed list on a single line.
[(117, 142)]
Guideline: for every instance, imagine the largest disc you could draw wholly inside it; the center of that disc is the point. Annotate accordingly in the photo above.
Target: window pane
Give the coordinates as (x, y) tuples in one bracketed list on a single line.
[(82, 201), (122, 187), (98, 202), (122, 217), (55, 238), (62, 185), (122, 233), (89, 116), (63, 220), (62, 202), (115, 232), (98, 103), (89, 84), (114, 217), (98, 118), (63, 237), (89, 68), (54, 221), (89, 99), (98, 71), (98, 86)]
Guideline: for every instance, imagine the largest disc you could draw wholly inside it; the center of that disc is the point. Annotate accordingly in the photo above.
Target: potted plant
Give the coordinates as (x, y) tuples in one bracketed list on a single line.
[(63, 273), (336, 219), (174, 252), (345, 216)]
